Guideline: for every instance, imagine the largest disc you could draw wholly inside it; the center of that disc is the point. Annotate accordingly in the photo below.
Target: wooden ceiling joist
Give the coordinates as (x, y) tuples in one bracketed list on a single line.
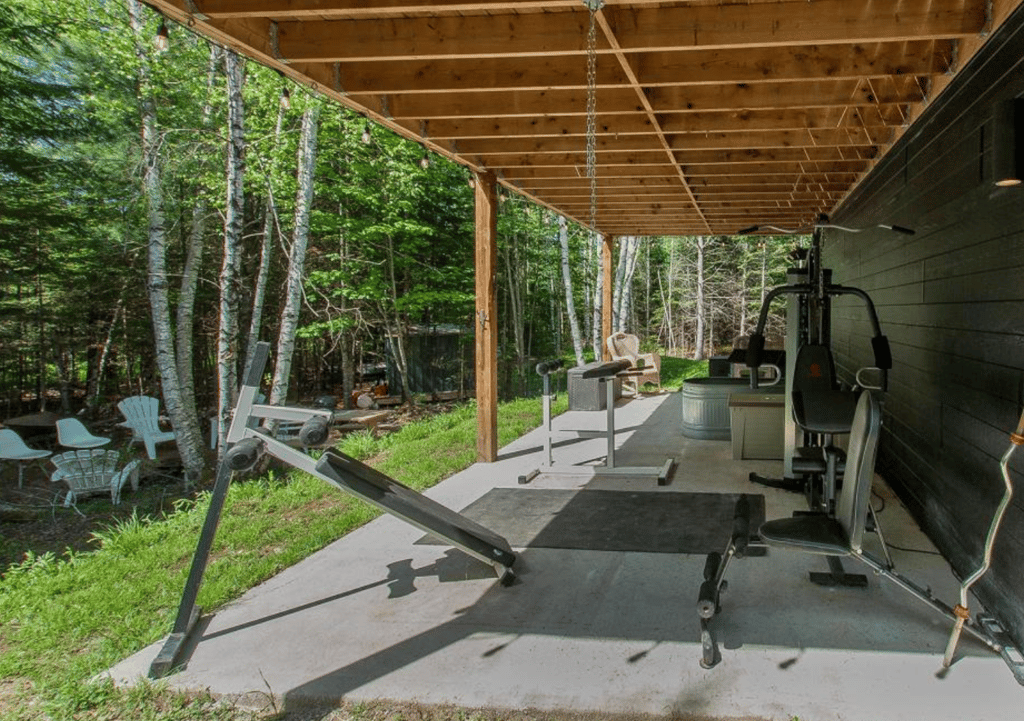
[(711, 114), (695, 67), (646, 28)]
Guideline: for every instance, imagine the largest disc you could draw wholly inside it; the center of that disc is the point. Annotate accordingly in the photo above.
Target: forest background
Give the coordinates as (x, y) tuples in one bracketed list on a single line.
[(165, 204)]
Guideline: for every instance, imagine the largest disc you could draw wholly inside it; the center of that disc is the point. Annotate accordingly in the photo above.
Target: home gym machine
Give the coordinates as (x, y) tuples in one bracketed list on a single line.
[(248, 441), (843, 534), (817, 408), (605, 373)]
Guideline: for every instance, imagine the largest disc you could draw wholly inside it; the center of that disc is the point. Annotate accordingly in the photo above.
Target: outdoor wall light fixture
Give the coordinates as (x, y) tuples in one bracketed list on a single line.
[(286, 98), (367, 137), (1008, 143), (162, 41), (425, 160)]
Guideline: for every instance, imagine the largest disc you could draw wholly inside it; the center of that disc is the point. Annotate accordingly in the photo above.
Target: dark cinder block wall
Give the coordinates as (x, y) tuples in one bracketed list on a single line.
[(951, 300)]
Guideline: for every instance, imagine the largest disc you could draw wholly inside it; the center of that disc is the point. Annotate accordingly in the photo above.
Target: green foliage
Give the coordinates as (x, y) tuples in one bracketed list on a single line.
[(676, 370)]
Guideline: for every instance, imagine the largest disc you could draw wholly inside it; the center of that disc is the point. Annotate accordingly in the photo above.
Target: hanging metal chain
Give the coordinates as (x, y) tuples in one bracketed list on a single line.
[(593, 6)]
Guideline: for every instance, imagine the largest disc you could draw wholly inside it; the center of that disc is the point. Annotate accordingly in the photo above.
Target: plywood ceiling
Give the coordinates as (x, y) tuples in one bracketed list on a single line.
[(712, 115)]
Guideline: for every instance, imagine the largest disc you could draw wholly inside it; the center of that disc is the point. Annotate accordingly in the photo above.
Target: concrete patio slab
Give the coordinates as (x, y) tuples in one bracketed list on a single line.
[(376, 616)]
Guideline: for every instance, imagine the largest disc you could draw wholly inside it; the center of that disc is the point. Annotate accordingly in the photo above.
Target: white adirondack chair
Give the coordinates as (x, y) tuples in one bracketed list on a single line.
[(13, 448), (142, 415), (72, 433), (87, 472)]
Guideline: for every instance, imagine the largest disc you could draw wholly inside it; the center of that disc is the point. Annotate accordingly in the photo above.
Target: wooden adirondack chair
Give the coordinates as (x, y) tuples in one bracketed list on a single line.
[(142, 415), (88, 472), (624, 345)]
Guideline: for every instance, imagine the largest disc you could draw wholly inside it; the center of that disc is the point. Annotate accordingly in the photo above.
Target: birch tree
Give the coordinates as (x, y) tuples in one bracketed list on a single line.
[(259, 293), (700, 318), (570, 302), (622, 295), (185, 320), (230, 270), (297, 255), (596, 338), (187, 436)]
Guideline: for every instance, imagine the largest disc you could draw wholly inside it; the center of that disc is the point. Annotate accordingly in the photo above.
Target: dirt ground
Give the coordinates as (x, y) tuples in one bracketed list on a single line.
[(33, 517)]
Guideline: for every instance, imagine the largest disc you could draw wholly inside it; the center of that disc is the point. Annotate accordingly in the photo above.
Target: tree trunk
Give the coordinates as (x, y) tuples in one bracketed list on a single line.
[(193, 262), (597, 338), (570, 302), (743, 289), (259, 293), (297, 255), (698, 341), (101, 363), (189, 443), (620, 277), (764, 271), (230, 270), (624, 285), (513, 272)]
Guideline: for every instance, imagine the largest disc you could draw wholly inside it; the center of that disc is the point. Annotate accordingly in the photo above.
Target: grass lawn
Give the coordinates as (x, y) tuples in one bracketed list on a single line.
[(65, 619)]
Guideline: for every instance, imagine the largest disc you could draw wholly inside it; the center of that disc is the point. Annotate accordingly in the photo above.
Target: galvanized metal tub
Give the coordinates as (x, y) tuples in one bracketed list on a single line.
[(706, 406)]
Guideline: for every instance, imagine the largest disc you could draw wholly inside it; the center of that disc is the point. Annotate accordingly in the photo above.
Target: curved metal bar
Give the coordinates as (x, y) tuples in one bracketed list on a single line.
[(774, 293), (846, 290)]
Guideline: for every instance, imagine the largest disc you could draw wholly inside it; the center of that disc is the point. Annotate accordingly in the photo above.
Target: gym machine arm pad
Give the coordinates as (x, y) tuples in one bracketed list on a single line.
[(755, 350), (883, 356)]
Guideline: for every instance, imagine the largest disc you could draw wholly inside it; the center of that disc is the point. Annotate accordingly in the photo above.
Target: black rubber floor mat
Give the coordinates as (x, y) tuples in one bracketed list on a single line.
[(667, 522)]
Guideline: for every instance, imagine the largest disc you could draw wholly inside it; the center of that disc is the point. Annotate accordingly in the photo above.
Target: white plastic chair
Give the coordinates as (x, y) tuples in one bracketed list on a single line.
[(94, 471), (142, 415), (72, 433), (13, 448)]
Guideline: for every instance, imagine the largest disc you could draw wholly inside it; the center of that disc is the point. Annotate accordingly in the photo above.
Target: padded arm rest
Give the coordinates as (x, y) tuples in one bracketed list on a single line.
[(883, 356), (755, 350)]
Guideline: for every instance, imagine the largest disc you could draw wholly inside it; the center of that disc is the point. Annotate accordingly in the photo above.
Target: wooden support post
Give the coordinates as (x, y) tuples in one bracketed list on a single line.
[(486, 318), (607, 252)]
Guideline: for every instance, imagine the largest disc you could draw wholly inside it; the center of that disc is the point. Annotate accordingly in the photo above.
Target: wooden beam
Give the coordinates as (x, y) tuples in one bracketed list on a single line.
[(690, 67), (603, 171), (607, 255), (558, 133), (813, 167), (496, 131), (722, 27), (809, 138), (486, 318), (783, 95), (667, 100), (775, 155), (356, 9), (654, 156), (809, 118), (796, 22), (508, 103)]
